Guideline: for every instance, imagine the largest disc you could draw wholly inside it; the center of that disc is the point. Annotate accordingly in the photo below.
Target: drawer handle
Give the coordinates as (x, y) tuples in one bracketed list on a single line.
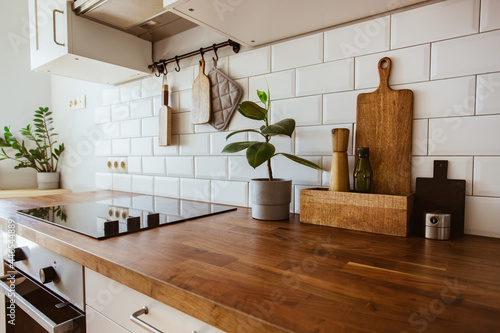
[(32, 311), (135, 318), (54, 25)]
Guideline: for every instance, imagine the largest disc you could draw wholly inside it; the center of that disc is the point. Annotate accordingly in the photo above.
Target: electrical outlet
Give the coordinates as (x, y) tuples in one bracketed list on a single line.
[(117, 164), (77, 103)]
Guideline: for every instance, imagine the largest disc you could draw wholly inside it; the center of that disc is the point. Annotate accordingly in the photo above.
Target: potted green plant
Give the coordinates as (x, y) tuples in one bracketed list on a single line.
[(270, 197), (44, 157)]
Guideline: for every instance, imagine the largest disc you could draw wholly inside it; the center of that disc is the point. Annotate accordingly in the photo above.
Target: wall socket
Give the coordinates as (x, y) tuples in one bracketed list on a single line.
[(117, 164), (77, 103)]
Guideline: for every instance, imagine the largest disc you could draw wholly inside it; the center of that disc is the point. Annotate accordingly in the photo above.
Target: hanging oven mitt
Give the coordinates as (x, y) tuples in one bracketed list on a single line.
[(225, 96)]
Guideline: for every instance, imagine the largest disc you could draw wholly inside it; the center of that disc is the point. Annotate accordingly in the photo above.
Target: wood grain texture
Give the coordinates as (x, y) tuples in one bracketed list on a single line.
[(243, 275), (201, 102), (384, 124), (165, 118), (339, 170), (376, 213), (30, 193)]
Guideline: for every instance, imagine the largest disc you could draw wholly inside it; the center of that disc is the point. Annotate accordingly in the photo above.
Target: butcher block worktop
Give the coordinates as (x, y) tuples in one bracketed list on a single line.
[(244, 275)]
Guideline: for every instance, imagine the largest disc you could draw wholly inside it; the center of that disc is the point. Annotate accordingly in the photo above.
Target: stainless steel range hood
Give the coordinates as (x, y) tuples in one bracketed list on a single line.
[(146, 19)]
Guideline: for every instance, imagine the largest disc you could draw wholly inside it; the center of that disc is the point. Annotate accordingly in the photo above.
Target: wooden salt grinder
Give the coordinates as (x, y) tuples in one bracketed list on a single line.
[(339, 174)]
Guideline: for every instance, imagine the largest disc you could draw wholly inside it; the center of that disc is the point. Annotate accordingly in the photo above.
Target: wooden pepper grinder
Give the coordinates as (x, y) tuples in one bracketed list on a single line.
[(339, 174)]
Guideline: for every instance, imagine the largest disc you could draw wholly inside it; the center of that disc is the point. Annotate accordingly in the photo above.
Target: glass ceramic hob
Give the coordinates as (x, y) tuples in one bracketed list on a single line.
[(115, 217)]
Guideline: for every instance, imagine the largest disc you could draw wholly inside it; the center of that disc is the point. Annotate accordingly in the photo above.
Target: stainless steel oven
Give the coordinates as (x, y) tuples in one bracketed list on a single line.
[(44, 291)]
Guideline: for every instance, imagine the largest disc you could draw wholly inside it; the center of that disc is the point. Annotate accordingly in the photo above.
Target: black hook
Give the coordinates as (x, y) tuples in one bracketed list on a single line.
[(157, 69), (178, 69), (215, 51), (165, 71), (202, 53)]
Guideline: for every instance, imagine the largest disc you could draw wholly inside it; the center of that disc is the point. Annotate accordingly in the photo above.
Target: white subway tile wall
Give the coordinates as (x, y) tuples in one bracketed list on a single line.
[(451, 63), (490, 15)]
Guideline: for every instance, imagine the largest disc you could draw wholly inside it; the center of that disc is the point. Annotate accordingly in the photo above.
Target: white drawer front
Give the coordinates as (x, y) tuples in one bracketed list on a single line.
[(117, 302), (97, 323)]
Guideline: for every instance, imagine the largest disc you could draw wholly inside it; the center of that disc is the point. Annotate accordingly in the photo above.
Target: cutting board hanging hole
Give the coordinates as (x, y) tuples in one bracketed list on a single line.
[(384, 70)]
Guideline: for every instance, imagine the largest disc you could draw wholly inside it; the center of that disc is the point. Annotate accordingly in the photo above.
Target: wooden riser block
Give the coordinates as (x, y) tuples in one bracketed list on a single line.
[(375, 213)]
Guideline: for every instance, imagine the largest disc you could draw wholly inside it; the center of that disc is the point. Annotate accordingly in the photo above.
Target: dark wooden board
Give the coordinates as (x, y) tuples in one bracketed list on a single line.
[(384, 124), (439, 194)]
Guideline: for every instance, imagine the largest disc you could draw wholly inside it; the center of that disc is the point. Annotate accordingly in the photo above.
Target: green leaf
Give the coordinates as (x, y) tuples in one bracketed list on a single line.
[(237, 146), (282, 127), (259, 153), (262, 96), (241, 131), (48, 113), (301, 161), (251, 110)]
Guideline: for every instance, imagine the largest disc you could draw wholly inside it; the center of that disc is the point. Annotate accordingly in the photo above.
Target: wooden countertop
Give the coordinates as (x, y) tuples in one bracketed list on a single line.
[(30, 192), (244, 275)]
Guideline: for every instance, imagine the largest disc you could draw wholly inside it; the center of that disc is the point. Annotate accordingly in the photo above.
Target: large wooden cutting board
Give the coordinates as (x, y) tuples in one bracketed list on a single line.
[(384, 124), (201, 102)]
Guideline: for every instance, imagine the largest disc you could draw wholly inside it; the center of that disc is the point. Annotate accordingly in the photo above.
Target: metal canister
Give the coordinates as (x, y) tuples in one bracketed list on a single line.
[(437, 226)]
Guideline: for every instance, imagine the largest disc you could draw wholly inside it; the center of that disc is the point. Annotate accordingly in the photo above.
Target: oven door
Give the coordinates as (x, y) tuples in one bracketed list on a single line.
[(29, 307)]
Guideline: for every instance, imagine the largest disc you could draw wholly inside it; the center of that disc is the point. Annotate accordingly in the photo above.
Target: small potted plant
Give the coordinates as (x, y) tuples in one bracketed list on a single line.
[(270, 197), (44, 158)]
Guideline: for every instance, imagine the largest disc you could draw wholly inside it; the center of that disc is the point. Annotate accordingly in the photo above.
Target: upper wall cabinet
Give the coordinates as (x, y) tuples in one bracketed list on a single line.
[(259, 22), (64, 44)]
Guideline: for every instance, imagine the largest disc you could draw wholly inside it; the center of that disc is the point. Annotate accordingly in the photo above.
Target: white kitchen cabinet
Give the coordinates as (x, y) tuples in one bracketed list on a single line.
[(64, 44), (259, 22), (96, 322), (110, 303)]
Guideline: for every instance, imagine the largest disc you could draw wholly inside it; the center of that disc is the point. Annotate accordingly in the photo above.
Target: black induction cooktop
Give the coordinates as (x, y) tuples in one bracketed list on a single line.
[(116, 217)]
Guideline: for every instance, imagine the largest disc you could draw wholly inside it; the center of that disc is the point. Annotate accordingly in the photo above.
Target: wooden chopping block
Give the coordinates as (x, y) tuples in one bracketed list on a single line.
[(384, 124), (201, 102)]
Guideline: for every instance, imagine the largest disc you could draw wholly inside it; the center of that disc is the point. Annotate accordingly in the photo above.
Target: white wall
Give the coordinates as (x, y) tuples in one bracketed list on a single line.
[(21, 90), (447, 53), (78, 132)]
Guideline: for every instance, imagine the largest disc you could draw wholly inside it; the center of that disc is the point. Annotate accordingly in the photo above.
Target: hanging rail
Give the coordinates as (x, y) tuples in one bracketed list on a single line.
[(160, 67)]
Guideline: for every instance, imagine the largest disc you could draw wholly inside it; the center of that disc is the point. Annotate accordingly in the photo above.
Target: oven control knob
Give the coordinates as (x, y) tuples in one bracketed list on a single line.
[(48, 274), (19, 254)]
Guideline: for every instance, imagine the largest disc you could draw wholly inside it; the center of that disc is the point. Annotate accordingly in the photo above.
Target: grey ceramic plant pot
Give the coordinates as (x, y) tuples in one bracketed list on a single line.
[(47, 180), (270, 199)]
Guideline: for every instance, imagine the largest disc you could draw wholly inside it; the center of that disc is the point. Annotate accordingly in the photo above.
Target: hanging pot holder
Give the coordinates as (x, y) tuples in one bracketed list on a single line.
[(225, 96)]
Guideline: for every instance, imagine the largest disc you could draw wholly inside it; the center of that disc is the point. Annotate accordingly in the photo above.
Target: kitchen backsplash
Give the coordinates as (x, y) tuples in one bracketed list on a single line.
[(451, 63)]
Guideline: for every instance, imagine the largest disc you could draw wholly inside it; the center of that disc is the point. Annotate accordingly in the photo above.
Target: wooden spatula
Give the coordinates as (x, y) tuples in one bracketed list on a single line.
[(201, 106), (165, 130), (384, 124)]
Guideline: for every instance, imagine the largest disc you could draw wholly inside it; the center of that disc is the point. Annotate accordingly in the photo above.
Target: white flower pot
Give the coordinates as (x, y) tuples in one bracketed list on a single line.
[(270, 199), (47, 180)]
